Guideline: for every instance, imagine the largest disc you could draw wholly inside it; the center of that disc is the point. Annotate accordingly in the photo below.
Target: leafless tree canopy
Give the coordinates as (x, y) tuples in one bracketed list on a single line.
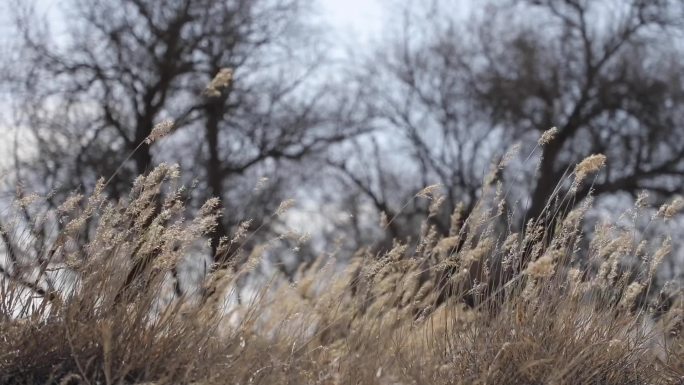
[(460, 92), (446, 96), (94, 94)]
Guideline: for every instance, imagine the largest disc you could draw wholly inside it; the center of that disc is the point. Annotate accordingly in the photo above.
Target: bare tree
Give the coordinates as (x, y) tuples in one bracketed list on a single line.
[(460, 92), (93, 95), (607, 75)]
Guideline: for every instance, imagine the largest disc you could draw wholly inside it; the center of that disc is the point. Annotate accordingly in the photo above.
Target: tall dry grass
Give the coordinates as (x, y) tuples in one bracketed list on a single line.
[(102, 302)]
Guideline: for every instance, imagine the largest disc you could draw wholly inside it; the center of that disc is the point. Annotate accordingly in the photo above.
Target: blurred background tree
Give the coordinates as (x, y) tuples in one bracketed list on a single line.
[(92, 94), (444, 93), (453, 93)]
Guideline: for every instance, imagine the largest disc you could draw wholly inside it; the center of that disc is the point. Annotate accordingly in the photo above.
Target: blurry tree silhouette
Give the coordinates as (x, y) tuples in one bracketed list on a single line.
[(93, 94), (459, 93), (448, 95)]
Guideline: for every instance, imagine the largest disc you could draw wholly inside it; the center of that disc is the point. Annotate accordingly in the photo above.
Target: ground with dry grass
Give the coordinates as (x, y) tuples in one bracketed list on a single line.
[(479, 306)]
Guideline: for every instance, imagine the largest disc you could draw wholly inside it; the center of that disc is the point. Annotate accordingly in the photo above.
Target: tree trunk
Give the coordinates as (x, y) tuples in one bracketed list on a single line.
[(214, 166), (142, 156), (546, 182)]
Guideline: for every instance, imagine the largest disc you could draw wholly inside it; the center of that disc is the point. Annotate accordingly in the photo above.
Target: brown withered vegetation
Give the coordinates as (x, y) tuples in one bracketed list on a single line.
[(480, 306)]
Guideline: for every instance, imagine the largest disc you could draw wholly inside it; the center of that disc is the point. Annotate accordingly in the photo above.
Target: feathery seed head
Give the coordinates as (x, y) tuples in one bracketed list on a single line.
[(541, 268), (285, 206), (456, 219), (159, 131), (669, 210), (631, 294), (429, 192), (435, 205), (70, 204), (589, 165), (27, 200), (220, 82), (548, 136), (660, 254), (641, 200)]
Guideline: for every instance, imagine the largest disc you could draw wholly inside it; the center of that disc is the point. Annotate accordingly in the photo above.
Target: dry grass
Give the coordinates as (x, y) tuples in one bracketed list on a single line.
[(481, 306)]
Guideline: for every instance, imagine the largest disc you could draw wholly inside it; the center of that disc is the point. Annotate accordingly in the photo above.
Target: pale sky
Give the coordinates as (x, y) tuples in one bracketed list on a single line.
[(355, 19), (352, 22)]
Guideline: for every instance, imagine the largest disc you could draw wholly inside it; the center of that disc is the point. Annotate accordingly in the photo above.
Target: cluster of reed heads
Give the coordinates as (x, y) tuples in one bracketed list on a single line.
[(110, 297)]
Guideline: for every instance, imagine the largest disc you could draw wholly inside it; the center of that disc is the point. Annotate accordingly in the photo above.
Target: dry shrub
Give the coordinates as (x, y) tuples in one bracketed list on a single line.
[(479, 306)]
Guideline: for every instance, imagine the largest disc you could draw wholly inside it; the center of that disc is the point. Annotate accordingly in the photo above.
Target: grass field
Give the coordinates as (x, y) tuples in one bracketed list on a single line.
[(480, 305)]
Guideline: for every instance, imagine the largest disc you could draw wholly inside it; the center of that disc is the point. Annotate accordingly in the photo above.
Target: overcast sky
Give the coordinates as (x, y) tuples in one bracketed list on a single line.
[(354, 19), (352, 22)]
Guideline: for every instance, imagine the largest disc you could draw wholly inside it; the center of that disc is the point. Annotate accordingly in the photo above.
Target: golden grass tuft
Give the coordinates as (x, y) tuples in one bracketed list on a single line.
[(475, 306)]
